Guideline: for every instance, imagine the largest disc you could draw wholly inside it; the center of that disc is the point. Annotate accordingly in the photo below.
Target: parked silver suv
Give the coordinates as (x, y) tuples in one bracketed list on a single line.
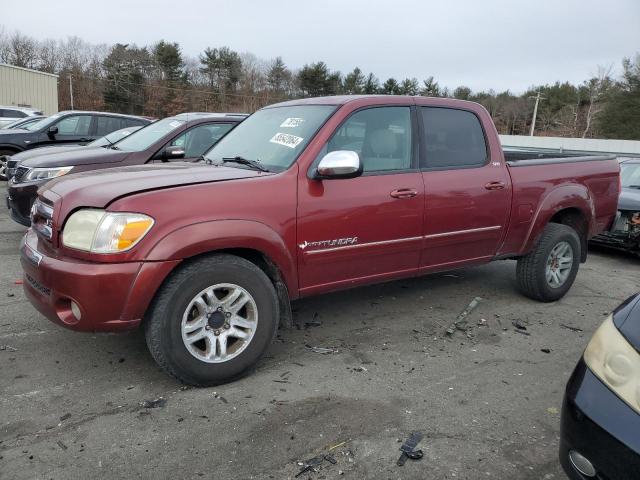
[(11, 114)]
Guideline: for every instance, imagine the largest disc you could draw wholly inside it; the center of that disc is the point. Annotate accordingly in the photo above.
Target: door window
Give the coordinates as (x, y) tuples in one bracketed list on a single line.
[(74, 125), (201, 138), (106, 125), (12, 113), (381, 136), (453, 138)]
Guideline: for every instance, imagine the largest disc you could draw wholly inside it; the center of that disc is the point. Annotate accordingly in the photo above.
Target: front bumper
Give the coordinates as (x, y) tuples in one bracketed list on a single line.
[(19, 200), (111, 297), (601, 427)]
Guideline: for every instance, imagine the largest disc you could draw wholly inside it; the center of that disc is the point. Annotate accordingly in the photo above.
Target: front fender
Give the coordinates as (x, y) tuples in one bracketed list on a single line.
[(11, 146), (560, 198), (196, 239)]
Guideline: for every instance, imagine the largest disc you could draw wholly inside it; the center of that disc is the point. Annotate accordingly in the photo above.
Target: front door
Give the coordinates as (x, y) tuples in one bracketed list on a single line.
[(73, 129), (364, 229), (468, 194)]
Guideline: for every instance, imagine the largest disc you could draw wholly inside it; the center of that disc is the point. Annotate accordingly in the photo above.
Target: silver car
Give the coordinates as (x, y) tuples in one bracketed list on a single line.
[(11, 114)]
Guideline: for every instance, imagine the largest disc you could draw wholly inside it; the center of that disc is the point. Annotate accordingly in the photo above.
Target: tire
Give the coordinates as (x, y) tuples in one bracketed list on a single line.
[(531, 271), (3, 163), (165, 320)]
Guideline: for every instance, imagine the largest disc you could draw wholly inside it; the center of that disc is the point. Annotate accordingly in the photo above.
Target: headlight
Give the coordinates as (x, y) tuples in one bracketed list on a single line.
[(99, 231), (45, 173), (614, 361)]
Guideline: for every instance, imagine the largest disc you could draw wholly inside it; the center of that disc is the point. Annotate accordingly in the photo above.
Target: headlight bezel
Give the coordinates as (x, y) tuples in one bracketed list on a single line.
[(56, 172), (101, 232), (615, 362)]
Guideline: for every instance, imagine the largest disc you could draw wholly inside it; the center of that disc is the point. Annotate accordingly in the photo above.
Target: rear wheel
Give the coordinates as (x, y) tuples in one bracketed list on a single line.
[(547, 273), (212, 320)]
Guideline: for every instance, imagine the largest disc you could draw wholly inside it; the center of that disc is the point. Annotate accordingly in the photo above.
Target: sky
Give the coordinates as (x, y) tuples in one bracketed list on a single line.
[(483, 44)]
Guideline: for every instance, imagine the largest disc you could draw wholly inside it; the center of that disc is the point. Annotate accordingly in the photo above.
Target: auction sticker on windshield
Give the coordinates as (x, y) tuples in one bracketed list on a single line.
[(286, 139), (292, 122)]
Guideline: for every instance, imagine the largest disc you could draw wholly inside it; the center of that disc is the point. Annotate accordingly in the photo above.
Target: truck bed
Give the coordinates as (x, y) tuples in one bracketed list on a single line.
[(541, 180)]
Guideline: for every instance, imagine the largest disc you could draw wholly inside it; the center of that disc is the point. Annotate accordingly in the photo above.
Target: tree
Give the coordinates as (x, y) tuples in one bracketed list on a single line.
[(409, 86), (462, 93), (371, 85), (430, 88), (124, 69), (354, 82), (316, 80), (167, 58), (223, 67), (278, 76), (390, 87), (621, 116)]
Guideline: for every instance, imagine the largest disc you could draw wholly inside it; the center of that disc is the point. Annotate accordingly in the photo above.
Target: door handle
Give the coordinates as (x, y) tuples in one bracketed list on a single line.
[(494, 186), (404, 193)]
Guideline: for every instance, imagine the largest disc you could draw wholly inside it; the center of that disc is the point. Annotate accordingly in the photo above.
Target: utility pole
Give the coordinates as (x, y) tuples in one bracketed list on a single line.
[(538, 97), (71, 91)]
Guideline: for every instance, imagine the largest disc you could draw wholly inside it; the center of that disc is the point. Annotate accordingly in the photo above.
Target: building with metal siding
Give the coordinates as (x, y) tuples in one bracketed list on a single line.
[(28, 88)]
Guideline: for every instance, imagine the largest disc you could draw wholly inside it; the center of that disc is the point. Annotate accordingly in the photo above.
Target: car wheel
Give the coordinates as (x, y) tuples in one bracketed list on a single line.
[(3, 163), (212, 320), (547, 273)]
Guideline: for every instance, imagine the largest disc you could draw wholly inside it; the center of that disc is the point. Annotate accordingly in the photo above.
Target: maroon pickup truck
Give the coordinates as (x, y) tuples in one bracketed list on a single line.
[(302, 198)]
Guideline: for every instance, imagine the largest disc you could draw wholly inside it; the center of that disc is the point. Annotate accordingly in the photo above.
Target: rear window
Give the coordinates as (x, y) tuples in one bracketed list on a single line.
[(106, 125), (453, 138)]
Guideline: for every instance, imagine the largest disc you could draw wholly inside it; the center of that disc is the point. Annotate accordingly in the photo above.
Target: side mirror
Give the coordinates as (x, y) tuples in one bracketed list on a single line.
[(173, 152), (339, 164), (53, 131)]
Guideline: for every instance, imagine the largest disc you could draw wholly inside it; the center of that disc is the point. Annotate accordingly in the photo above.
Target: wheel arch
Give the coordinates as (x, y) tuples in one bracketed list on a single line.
[(570, 205)]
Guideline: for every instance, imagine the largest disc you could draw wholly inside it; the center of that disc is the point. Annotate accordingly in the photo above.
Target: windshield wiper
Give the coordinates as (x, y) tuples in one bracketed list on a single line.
[(635, 186), (245, 161)]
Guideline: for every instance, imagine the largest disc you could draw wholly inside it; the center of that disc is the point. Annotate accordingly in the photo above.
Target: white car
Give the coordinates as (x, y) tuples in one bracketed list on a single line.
[(11, 114)]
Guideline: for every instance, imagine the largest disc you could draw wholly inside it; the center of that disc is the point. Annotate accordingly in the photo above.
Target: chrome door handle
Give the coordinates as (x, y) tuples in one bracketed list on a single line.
[(494, 186), (404, 193)]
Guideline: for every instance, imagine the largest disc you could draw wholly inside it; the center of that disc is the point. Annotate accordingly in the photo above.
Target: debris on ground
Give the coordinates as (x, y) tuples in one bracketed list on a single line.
[(64, 417), (159, 402), (313, 323), (322, 350), (408, 448), (482, 322), (545, 350), (61, 445), (519, 324), (8, 348), (569, 327), (461, 322), (216, 395), (316, 463), (11, 294), (360, 369), (522, 332), (17, 282)]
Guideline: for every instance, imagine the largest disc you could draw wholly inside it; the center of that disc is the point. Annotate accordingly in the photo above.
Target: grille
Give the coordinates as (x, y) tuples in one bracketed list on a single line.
[(20, 172)]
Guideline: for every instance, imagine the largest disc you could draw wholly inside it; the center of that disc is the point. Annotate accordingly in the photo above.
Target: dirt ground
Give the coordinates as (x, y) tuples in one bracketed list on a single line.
[(487, 400)]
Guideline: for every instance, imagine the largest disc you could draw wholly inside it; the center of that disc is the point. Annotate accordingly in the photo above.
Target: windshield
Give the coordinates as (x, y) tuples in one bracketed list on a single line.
[(272, 136), (147, 136), (630, 174), (113, 137)]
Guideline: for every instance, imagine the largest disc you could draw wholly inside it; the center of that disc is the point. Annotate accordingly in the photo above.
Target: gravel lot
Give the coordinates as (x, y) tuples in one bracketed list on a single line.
[(487, 400)]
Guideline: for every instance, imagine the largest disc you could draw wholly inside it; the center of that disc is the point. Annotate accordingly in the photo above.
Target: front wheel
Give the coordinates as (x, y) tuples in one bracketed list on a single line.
[(547, 273), (212, 320)]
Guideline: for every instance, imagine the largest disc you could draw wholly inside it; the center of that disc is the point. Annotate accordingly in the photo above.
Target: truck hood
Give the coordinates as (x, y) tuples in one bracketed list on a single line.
[(101, 187), (75, 156), (629, 199)]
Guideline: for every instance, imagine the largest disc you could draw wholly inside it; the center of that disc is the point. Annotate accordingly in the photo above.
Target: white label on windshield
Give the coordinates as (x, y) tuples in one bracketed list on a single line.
[(292, 122), (286, 139), (175, 124)]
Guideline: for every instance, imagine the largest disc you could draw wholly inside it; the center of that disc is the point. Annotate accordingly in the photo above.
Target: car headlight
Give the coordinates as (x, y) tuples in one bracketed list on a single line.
[(614, 361), (99, 231), (45, 173)]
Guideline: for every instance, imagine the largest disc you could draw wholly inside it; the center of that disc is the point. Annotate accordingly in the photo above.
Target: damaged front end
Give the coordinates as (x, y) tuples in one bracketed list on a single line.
[(624, 233)]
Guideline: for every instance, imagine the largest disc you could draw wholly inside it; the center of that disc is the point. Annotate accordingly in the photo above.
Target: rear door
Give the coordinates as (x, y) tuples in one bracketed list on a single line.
[(468, 193), (364, 229)]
